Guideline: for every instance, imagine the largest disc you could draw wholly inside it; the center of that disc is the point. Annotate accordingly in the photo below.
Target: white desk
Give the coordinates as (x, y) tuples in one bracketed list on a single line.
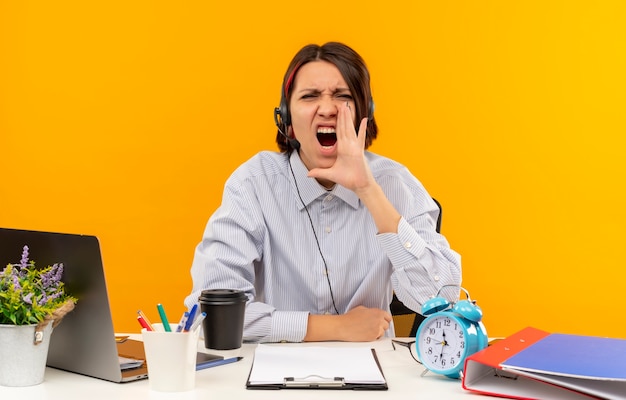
[(227, 382)]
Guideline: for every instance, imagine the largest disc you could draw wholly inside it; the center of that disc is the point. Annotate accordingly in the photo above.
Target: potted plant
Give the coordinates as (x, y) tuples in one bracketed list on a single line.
[(32, 302)]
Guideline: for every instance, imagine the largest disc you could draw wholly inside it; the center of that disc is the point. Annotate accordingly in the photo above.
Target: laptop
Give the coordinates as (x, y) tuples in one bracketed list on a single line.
[(84, 342)]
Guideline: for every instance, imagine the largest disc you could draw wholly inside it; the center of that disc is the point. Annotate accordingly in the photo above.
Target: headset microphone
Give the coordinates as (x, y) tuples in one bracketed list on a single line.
[(278, 120)]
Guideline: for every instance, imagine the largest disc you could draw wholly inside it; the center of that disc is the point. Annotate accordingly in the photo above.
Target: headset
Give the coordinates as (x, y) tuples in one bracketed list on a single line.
[(282, 119)]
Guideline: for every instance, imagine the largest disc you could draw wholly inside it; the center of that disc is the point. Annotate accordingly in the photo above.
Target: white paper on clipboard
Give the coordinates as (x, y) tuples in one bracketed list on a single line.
[(273, 364)]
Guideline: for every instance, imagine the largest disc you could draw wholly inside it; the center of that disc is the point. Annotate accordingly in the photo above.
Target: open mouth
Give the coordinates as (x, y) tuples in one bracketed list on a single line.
[(327, 137)]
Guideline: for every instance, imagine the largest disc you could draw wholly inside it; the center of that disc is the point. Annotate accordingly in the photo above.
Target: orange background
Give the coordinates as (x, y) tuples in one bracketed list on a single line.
[(123, 119)]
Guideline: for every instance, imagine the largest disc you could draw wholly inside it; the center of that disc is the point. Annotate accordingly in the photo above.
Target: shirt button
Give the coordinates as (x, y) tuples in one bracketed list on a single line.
[(327, 313), (328, 198), (436, 278), (407, 245), (327, 229)]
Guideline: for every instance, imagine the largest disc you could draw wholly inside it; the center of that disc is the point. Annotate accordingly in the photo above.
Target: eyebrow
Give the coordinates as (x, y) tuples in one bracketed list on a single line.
[(312, 90)]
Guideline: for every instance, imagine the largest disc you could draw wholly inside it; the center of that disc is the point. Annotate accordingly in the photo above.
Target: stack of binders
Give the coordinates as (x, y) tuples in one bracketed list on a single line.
[(534, 364)]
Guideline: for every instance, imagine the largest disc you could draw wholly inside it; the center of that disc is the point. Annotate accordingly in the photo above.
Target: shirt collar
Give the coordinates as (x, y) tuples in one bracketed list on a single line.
[(310, 189)]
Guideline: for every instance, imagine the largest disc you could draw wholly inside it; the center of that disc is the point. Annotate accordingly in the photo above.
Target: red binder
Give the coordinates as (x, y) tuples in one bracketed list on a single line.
[(534, 364)]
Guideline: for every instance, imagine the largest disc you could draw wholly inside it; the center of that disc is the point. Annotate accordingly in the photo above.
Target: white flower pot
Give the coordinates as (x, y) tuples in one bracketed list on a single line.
[(22, 362)]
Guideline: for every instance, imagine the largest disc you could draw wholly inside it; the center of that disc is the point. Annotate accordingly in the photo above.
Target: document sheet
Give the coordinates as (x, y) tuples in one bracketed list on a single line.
[(275, 363)]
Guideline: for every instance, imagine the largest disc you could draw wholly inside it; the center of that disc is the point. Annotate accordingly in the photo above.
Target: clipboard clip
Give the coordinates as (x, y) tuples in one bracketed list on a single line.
[(313, 381)]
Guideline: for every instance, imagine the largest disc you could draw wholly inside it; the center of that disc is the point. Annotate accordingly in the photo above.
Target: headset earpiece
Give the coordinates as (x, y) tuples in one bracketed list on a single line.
[(278, 119), (281, 120), (283, 112)]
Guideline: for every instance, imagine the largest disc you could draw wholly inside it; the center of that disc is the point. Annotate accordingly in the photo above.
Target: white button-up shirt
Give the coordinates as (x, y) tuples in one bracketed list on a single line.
[(261, 240)]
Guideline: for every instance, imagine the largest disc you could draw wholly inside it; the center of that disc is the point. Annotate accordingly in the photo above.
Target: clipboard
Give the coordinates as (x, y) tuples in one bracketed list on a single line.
[(285, 366)]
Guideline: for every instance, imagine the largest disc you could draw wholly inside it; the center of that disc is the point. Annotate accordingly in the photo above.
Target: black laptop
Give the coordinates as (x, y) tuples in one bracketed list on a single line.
[(84, 342)]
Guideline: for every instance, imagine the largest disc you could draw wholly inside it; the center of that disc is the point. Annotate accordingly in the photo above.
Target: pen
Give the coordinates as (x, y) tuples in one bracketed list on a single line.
[(183, 321), (197, 322), (166, 324), (192, 316), (145, 319), (144, 324), (216, 363)]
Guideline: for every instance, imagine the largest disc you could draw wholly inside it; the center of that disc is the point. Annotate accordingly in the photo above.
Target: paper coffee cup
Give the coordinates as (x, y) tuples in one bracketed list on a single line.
[(223, 325)]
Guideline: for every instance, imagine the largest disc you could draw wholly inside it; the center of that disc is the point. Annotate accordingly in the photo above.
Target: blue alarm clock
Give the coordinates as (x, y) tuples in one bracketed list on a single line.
[(450, 333)]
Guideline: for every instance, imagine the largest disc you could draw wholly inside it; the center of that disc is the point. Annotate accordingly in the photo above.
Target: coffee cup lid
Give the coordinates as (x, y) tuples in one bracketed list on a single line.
[(222, 295)]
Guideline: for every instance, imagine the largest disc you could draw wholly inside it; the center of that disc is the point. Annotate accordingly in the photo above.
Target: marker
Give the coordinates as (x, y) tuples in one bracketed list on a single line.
[(183, 321), (197, 322), (166, 324), (144, 324), (145, 319), (192, 316), (216, 363)]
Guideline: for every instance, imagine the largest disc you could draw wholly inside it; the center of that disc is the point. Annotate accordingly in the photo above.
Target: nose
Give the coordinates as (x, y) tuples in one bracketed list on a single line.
[(328, 106)]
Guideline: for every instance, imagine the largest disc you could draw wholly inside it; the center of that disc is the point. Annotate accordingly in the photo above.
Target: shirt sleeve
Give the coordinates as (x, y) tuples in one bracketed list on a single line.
[(264, 324), (422, 264), (228, 256)]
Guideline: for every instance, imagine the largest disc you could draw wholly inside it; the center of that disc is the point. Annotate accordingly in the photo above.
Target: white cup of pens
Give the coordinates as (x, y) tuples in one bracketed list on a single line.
[(171, 351)]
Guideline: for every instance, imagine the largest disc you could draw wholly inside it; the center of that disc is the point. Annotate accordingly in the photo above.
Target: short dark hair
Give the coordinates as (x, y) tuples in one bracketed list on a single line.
[(354, 71)]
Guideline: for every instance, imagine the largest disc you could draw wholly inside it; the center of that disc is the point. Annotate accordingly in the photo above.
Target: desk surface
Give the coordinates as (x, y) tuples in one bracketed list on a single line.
[(227, 382)]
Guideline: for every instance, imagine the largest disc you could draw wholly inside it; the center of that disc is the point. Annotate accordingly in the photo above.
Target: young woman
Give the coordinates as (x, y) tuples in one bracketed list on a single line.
[(320, 234)]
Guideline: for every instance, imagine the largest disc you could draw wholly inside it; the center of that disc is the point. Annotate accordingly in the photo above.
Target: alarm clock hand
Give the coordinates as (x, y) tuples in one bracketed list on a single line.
[(444, 343)]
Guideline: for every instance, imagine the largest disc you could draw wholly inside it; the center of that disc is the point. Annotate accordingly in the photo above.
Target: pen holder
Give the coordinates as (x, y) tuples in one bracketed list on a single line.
[(171, 359)]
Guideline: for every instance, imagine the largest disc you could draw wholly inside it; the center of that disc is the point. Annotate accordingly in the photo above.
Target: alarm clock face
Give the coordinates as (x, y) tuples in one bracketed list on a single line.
[(442, 344)]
